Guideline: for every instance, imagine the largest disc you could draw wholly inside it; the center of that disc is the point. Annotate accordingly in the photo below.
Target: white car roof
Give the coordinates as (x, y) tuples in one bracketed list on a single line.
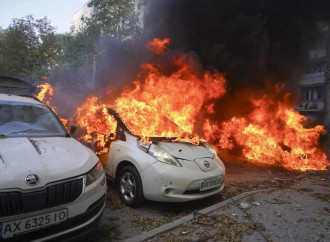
[(14, 98)]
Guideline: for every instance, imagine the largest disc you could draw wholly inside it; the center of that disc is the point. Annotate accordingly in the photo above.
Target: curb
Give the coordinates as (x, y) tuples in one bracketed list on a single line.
[(176, 223)]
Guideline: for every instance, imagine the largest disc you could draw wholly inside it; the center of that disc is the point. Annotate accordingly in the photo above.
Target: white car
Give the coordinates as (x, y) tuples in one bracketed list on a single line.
[(51, 186), (163, 170)]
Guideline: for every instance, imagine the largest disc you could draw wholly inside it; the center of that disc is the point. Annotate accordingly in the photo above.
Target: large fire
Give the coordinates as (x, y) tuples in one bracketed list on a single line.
[(159, 104), (174, 104), (273, 133)]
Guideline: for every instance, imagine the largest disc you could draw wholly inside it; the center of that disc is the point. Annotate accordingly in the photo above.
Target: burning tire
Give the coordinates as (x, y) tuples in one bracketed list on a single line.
[(130, 187)]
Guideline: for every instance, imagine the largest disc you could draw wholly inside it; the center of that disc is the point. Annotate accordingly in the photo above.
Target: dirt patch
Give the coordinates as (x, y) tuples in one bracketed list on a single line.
[(146, 224), (322, 197), (216, 228)]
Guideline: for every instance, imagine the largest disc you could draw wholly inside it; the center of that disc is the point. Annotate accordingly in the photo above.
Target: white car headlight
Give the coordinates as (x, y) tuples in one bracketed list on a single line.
[(94, 174), (209, 147), (159, 154)]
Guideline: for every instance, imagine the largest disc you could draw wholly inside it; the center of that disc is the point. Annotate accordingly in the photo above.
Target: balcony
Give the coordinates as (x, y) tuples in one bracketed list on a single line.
[(312, 106), (317, 53), (312, 79)]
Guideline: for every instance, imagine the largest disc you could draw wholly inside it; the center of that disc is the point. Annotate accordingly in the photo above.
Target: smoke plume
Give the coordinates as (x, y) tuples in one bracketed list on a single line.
[(251, 41), (254, 43)]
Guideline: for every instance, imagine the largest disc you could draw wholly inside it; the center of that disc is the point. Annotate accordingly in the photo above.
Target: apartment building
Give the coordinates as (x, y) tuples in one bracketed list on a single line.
[(77, 19), (315, 83)]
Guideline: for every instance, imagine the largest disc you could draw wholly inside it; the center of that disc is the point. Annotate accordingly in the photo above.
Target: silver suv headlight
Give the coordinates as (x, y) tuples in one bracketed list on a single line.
[(94, 173), (159, 154)]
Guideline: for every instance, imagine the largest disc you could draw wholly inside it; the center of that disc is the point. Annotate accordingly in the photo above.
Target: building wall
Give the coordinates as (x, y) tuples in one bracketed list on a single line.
[(315, 84), (76, 20), (327, 81), (327, 107), (317, 53)]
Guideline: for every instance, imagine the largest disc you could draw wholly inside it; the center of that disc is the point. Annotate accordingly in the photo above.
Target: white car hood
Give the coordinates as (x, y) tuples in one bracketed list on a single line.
[(50, 158), (198, 154), (185, 150)]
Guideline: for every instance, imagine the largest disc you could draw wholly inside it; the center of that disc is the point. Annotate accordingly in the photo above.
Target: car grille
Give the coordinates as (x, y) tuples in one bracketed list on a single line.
[(15, 202)]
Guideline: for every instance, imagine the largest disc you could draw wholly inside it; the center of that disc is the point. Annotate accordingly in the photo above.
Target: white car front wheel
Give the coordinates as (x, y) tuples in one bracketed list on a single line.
[(130, 187)]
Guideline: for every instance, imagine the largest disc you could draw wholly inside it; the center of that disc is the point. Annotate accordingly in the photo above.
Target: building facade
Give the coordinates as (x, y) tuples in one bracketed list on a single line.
[(314, 85), (77, 19)]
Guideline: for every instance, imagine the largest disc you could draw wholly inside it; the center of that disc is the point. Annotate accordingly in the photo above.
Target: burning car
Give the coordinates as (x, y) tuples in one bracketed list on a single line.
[(160, 169), (51, 186)]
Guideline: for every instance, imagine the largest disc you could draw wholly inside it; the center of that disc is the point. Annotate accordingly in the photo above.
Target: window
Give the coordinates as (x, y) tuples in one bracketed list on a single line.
[(313, 94)]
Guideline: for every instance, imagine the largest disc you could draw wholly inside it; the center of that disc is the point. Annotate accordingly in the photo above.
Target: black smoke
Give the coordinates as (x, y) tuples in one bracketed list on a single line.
[(249, 40), (255, 43)]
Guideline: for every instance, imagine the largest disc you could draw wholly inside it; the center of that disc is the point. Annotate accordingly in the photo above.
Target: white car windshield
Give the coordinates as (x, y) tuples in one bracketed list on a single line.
[(28, 120)]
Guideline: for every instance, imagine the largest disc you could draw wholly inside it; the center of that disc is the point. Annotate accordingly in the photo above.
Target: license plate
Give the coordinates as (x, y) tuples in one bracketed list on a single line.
[(8, 229), (211, 183)]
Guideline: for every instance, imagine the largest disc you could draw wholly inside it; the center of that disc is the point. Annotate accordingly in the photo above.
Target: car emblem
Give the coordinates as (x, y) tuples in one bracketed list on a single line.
[(206, 164), (32, 180)]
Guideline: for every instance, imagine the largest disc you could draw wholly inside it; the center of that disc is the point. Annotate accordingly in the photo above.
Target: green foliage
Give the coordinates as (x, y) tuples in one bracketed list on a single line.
[(109, 18), (77, 56), (28, 48), (76, 49), (115, 18)]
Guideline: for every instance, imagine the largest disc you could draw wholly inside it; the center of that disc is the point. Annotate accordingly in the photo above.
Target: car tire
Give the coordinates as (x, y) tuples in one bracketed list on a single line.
[(130, 187)]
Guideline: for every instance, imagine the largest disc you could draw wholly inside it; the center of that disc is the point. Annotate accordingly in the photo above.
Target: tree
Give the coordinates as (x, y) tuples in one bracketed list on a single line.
[(29, 48), (115, 18), (76, 49), (77, 56)]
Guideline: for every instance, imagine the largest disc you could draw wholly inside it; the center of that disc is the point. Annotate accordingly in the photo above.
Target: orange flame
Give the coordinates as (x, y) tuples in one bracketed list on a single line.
[(45, 95), (46, 91), (158, 46), (159, 104), (94, 118), (273, 133)]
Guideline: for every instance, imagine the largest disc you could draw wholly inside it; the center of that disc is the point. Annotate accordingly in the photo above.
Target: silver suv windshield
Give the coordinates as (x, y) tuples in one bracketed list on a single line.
[(28, 120)]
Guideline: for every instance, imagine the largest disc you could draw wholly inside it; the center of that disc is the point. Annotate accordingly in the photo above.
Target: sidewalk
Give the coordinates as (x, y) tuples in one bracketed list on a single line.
[(297, 212)]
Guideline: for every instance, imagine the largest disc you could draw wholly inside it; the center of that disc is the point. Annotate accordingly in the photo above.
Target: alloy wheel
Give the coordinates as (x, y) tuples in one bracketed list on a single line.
[(128, 186)]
